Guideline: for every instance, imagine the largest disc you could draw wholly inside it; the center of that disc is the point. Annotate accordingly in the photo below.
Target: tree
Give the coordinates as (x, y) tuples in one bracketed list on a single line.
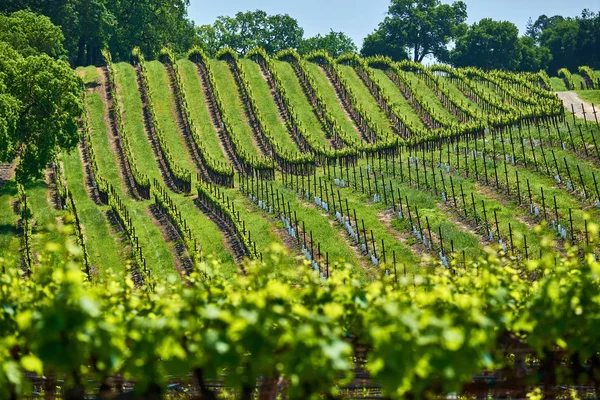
[(378, 44), (150, 25), (533, 57), (425, 27), (283, 33), (39, 101), (207, 38), (534, 29), (488, 44), (562, 41), (31, 34), (335, 43), (90, 25), (251, 29), (573, 41)]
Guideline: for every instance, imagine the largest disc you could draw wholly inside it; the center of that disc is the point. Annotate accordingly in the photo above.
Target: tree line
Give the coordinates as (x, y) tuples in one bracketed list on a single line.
[(92, 25), (416, 29), (411, 29)]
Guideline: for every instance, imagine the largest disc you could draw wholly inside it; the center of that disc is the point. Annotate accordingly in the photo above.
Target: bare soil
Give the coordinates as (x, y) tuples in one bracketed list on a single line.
[(579, 105)]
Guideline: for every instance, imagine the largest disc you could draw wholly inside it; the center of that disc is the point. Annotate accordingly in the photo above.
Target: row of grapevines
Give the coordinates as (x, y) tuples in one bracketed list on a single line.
[(288, 160), (402, 125), (359, 114), (142, 183), (108, 195), (470, 89), (69, 203), (163, 200), (540, 104), (461, 110), (397, 75), (566, 75), (446, 129), (328, 121), (419, 336), (123, 215), (261, 165), (220, 171), (212, 197), (27, 231), (590, 77), (520, 82), (262, 57), (181, 177)]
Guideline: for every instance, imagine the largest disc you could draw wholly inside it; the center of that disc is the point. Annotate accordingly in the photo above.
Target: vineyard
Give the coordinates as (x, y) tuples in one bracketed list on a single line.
[(308, 227)]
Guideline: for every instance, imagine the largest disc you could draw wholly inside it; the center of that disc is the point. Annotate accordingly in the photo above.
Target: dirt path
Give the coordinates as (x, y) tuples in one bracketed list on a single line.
[(104, 89), (417, 249), (215, 117), (344, 105), (183, 261), (572, 98)]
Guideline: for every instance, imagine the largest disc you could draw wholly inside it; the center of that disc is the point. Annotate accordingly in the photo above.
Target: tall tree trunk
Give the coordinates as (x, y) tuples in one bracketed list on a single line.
[(80, 51), (206, 393), (90, 53)]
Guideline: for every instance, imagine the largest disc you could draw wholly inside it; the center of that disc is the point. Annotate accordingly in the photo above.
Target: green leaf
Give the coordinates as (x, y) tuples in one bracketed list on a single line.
[(32, 364)]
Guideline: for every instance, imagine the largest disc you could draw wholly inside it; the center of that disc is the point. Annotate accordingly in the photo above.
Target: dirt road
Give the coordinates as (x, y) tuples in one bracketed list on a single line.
[(571, 98)]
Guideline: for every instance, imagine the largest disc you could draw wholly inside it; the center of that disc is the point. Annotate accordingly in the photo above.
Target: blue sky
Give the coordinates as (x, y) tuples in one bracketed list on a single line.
[(359, 18)]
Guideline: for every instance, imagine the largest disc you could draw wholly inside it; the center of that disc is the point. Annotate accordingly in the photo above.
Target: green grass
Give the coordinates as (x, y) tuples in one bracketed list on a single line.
[(317, 221), (164, 106), (9, 239), (192, 87), (156, 250), (299, 102), (267, 106), (591, 96), (578, 82), (365, 99), (558, 84), (458, 95), (398, 103), (537, 180), (210, 238), (89, 74), (233, 108), (430, 96), (103, 250), (327, 92), (46, 219)]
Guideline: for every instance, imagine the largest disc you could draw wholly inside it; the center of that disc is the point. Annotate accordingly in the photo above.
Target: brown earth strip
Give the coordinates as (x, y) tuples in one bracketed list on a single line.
[(114, 138), (183, 262)]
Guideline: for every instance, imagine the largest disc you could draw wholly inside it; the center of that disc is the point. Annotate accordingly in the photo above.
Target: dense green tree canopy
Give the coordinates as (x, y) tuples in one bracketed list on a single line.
[(378, 44), (31, 34), (335, 43), (274, 33), (488, 44), (39, 96), (423, 27), (251, 29), (90, 25), (571, 41), (533, 57)]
